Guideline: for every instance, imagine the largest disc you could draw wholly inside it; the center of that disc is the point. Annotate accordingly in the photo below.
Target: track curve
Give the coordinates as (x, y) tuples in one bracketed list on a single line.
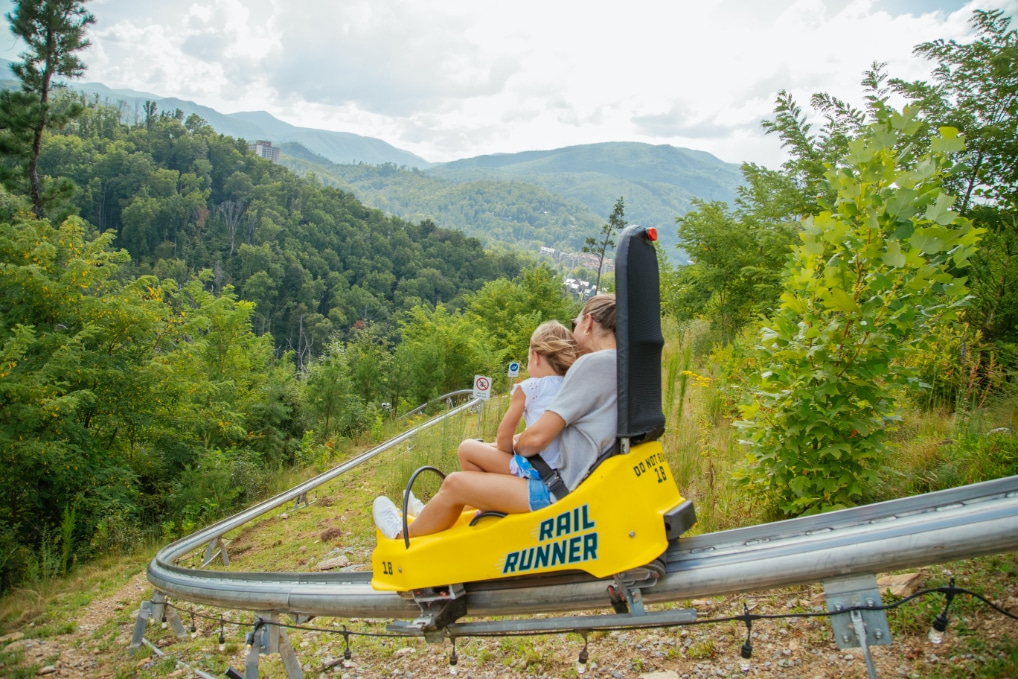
[(959, 523)]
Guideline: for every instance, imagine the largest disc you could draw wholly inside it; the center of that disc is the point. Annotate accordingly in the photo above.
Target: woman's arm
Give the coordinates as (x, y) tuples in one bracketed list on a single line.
[(537, 437), (510, 421)]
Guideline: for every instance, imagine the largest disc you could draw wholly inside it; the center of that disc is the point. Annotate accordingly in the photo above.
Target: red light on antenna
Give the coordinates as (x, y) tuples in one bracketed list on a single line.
[(651, 234)]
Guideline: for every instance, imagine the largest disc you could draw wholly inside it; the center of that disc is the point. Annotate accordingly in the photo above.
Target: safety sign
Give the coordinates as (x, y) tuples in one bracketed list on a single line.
[(482, 387)]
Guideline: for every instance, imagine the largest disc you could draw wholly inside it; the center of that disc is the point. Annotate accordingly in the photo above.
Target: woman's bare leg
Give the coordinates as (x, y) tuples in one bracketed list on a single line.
[(477, 456), (498, 492)]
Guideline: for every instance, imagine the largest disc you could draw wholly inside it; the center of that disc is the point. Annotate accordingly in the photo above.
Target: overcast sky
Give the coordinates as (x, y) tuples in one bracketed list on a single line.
[(449, 79)]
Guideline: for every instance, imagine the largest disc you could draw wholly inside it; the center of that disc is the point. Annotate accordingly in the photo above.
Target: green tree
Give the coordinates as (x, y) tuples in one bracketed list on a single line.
[(54, 31), (735, 272), (737, 255), (369, 354), (73, 341), (872, 276), (112, 387), (509, 310), (599, 245), (330, 393), (442, 351), (973, 89), (813, 150), (993, 276)]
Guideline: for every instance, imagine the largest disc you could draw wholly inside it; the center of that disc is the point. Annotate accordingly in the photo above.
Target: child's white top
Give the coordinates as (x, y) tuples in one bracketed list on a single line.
[(539, 392)]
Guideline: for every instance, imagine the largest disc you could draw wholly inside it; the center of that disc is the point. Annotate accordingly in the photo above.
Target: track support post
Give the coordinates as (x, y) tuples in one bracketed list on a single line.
[(166, 613), (156, 608), (216, 547), (251, 661), (138, 638), (856, 620), (269, 637)]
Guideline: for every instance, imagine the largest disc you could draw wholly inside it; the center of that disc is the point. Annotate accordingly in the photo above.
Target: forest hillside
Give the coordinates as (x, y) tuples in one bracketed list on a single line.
[(542, 198), (551, 198)]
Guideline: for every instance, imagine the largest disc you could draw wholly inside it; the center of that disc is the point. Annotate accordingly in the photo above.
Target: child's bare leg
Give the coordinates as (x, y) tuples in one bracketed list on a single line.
[(508, 494), (477, 456)]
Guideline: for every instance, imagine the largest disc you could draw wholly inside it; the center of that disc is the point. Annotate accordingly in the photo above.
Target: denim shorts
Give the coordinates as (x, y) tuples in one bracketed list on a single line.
[(540, 497)]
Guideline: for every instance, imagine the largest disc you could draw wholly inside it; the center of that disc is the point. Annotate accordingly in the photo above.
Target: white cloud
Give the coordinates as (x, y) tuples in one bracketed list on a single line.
[(454, 78)]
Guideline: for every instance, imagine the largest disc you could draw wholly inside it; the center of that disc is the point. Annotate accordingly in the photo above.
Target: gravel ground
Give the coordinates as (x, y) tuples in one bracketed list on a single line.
[(786, 649)]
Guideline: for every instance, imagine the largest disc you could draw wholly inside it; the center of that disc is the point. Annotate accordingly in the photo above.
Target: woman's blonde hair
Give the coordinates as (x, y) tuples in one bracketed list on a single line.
[(602, 309), (554, 341)]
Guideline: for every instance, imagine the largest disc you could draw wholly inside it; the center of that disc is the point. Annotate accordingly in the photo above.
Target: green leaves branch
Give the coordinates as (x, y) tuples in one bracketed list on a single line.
[(875, 270)]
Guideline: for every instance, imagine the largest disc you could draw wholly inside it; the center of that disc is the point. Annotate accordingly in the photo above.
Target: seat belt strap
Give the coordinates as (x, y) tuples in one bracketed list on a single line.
[(550, 477)]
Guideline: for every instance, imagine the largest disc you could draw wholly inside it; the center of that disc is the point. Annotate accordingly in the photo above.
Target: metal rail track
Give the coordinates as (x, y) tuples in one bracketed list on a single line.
[(259, 591), (960, 523), (438, 399)]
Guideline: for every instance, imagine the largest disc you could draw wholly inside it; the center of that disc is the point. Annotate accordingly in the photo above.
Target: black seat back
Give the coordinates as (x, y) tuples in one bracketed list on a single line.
[(638, 336)]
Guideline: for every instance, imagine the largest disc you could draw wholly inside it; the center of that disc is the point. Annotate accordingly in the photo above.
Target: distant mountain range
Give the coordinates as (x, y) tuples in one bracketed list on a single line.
[(658, 183), (493, 210), (554, 198), (339, 147)]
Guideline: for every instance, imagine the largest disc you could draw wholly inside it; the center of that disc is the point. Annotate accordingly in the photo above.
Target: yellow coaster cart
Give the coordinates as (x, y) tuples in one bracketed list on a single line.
[(615, 525)]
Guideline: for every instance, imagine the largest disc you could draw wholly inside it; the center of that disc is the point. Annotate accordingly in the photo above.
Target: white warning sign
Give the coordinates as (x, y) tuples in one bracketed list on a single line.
[(482, 387)]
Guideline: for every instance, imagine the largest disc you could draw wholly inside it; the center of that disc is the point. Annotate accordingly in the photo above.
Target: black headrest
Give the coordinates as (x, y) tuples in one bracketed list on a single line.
[(638, 335)]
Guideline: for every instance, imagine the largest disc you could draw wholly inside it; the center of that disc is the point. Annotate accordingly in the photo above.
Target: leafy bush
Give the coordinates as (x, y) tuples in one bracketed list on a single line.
[(958, 369), (118, 533), (870, 279), (217, 482), (14, 557)]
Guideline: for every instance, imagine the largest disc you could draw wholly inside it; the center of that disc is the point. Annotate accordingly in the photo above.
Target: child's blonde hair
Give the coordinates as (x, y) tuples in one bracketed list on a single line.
[(554, 341)]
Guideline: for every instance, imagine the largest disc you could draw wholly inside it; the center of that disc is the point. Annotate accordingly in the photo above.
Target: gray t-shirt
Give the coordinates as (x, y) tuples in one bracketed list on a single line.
[(588, 402)]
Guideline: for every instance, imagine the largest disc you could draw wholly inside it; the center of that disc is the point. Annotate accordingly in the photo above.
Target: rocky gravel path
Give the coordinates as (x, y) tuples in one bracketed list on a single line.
[(782, 649)]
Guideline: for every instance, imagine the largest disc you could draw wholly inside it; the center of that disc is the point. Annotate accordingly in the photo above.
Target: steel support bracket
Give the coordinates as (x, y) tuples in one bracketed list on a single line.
[(251, 662), (625, 598), (269, 637), (440, 607), (624, 591), (138, 638), (216, 547), (167, 614), (858, 591)]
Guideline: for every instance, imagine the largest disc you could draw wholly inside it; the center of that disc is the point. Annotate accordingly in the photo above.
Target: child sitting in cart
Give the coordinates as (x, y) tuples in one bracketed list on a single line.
[(552, 351)]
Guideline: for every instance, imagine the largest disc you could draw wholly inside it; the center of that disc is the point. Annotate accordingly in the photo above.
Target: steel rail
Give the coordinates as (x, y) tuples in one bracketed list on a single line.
[(443, 397), (168, 556), (948, 525)]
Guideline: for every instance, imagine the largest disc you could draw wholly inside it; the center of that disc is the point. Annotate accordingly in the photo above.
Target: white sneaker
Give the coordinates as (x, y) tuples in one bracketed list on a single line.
[(414, 506), (387, 517)]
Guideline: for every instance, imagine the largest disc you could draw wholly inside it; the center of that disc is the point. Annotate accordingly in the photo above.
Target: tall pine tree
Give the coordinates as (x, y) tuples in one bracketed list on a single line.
[(54, 32)]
